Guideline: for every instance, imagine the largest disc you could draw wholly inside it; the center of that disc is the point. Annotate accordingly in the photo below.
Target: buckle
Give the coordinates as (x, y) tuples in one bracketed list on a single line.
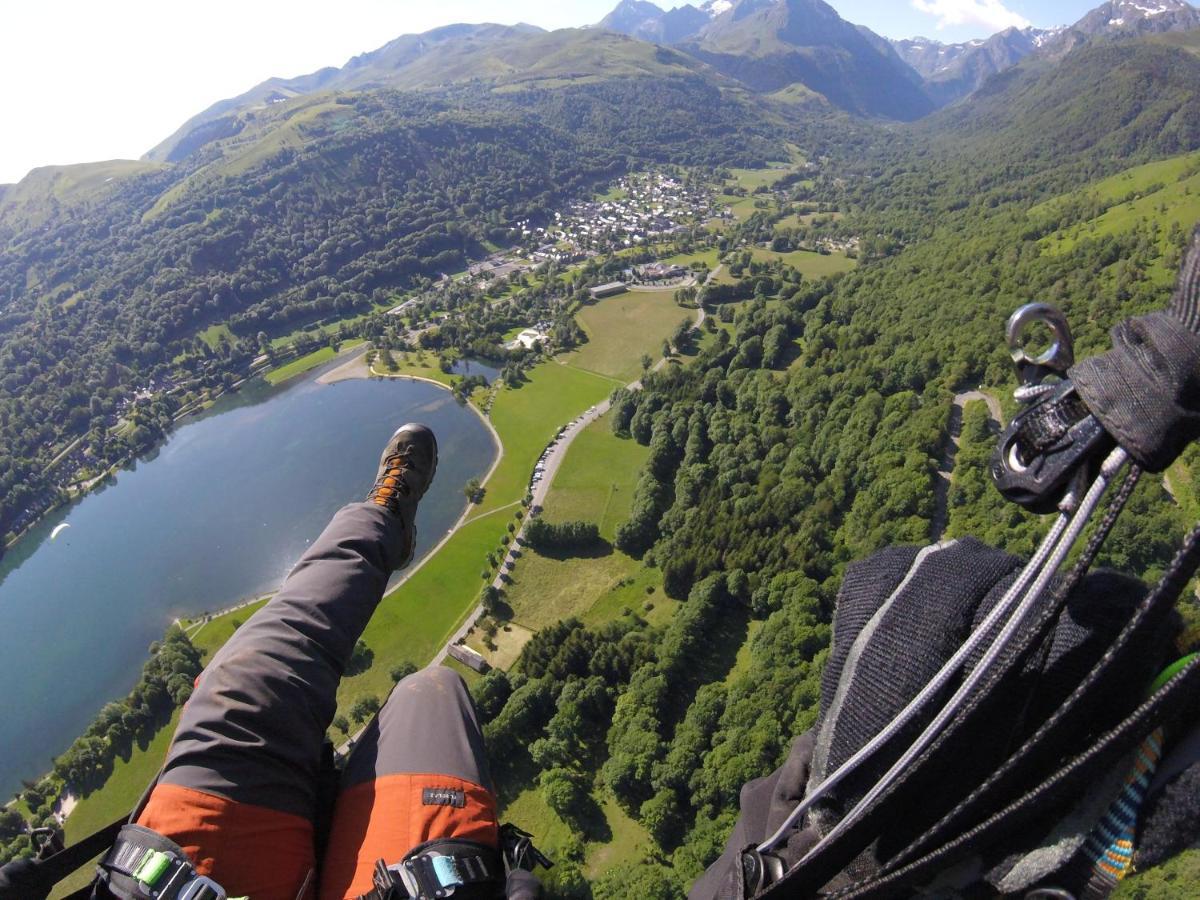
[(202, 888), (152, 866), (431, 875)]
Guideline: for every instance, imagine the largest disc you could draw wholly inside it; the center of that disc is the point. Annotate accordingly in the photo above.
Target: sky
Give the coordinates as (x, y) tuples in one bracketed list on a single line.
[(83, 81)]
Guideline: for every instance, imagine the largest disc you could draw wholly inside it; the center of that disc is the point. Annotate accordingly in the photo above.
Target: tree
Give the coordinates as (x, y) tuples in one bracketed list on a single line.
[(473, 491), (647, 362), (399, 672), (361, 658), (340, 723), (489, 598), (564, 792), (363, 708)]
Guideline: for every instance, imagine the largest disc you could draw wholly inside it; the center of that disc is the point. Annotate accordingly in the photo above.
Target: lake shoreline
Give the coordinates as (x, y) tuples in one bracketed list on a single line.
[(450, 508)]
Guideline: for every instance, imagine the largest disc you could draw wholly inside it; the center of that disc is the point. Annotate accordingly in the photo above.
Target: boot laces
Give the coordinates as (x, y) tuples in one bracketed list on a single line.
[(391, 486)]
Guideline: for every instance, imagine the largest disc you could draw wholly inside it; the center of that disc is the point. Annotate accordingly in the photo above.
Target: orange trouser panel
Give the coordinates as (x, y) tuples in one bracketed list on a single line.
[(385, 818), (249, 850)]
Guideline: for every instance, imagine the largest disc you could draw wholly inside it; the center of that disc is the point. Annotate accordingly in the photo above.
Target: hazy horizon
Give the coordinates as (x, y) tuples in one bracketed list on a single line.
[(114, 86)]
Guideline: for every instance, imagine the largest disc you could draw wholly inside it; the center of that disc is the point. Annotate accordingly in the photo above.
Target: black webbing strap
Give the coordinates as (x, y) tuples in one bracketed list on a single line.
[(1147, 617), (53, 869), (1181, 695), (440, 868), (1038, 750)]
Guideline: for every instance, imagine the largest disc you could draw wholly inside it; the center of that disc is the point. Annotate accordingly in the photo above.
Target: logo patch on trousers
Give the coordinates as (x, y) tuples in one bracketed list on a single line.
[(443, 797)]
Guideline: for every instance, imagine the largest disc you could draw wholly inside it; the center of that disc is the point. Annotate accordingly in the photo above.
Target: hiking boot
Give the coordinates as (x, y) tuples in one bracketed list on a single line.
[(405, 472)]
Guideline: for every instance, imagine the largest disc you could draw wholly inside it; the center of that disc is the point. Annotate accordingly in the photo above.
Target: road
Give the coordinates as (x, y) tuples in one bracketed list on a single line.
[(553, 461), (941, 516), (557, 453)]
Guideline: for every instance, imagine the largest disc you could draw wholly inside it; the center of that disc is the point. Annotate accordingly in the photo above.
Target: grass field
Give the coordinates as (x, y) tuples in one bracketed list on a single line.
[(622, 328), (419, 365), (613, 193), (625, 841), (708, 257), (1166, 193), (752, 179), (812, 265), (596, 480), (322, 331), (212, 334), (795, 221), (744, 207), (594, 484), (304, 363), (1136, 180)]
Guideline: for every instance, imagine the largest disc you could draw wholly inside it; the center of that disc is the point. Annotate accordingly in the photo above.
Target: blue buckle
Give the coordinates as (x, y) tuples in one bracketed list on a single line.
[(446, 870)]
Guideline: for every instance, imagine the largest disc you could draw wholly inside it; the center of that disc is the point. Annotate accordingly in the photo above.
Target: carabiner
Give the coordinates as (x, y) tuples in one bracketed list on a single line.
[(1057, 359)]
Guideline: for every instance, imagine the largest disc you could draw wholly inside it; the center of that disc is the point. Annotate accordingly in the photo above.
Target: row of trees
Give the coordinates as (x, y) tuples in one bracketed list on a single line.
[(165, 683), (557, 536)]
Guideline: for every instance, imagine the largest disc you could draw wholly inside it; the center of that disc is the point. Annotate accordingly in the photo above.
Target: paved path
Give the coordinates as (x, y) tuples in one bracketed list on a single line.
[(553, 461), (945, 474), (557, 453)]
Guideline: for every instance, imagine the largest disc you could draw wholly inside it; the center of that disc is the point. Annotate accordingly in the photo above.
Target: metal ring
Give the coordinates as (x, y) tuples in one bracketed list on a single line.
[(1061, 354)]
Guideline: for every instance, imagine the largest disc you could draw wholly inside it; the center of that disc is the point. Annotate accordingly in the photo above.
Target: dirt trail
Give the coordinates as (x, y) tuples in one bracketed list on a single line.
[(941, 516)]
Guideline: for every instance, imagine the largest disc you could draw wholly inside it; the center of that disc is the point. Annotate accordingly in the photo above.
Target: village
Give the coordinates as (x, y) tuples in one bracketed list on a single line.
[(639, 210)]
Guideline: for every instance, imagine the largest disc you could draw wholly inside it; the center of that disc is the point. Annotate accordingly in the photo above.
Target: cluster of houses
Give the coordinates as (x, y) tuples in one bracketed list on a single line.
[(498, 265), (656, 273), (640, 208)]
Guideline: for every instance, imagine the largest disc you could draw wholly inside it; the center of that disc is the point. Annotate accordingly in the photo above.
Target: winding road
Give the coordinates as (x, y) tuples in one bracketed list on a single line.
[(945, 474), (554, 459)]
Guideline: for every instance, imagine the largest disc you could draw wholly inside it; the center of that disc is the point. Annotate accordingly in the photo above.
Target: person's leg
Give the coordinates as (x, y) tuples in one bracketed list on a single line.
[(418, 773), (239, 789)]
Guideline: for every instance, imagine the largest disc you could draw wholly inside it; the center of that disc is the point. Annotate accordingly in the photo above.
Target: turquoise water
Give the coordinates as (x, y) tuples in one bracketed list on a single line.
[(219, 514)]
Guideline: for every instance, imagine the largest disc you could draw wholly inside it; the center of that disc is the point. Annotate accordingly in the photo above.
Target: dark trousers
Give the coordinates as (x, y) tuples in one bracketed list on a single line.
[(239, 790)]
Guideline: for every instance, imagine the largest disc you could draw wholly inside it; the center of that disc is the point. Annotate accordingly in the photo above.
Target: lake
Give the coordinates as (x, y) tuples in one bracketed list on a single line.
[(218, 514)]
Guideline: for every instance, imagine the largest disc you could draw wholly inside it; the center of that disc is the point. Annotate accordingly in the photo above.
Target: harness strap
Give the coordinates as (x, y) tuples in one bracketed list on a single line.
[(1178, 696), (440, 868), (63, 863), (144, 864)]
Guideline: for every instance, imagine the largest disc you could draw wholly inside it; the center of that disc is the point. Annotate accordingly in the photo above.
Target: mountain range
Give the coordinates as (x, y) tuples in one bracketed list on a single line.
[(800, 434), (801, 53), (805, 41)]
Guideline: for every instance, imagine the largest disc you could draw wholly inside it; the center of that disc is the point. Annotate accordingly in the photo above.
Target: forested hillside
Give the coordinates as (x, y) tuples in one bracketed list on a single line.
[(335, 205), (809, 438)]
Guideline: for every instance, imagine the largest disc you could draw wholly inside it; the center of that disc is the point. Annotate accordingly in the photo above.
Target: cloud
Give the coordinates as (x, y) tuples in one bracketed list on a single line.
[(988, 13)]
